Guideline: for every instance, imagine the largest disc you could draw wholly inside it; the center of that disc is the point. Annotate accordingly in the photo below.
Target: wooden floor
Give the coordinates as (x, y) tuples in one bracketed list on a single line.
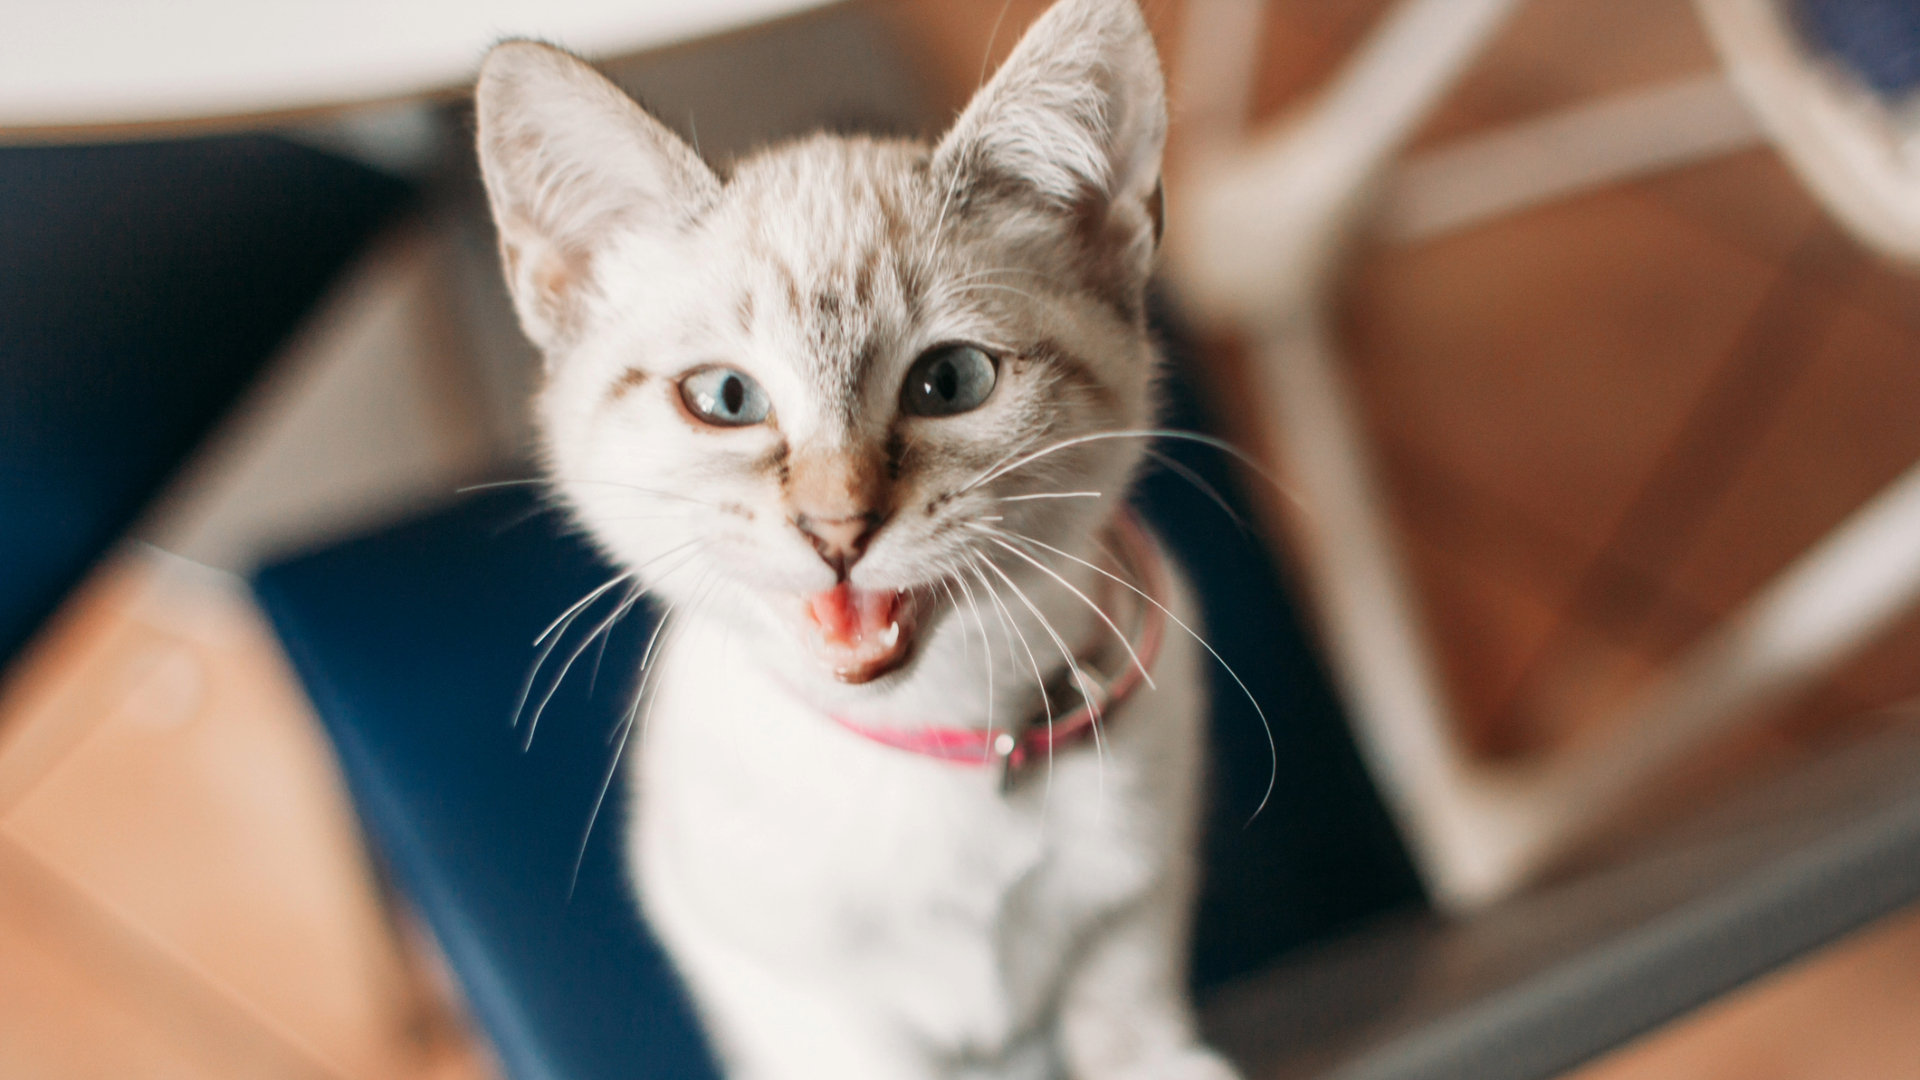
[(1851, 1012), (1603, 423), (182, 887)]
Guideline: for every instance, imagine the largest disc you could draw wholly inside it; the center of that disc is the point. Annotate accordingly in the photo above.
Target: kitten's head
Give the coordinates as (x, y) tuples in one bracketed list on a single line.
[(807, 391)]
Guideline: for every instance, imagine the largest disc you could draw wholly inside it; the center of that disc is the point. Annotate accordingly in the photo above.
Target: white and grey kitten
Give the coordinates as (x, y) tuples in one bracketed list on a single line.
[(852, 416)]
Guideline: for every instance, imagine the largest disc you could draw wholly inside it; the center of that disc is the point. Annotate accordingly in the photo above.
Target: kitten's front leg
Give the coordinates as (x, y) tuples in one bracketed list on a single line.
[(766, 1023), (767, 1027), (1125, 1015)]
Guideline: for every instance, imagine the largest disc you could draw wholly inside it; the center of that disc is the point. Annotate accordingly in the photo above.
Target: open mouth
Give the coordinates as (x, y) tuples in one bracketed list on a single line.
[(861, 634)]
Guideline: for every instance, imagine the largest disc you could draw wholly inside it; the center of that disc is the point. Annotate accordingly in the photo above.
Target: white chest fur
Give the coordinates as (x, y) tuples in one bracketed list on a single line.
[(892, 913), (833, 405)]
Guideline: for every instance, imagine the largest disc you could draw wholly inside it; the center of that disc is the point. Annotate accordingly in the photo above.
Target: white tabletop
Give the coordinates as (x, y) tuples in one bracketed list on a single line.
[(67, 64)]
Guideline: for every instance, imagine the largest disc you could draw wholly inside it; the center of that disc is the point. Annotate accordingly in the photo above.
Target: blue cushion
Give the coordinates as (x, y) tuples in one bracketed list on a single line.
[(414, 644), (1878, 39), (145, 284)]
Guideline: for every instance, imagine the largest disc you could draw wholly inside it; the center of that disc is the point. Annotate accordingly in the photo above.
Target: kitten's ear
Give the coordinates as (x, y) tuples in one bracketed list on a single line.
[(568, 159), (1076, 116)]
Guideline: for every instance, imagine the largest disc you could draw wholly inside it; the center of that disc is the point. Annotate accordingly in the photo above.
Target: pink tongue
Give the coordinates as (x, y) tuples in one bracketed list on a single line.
[(849, 616)]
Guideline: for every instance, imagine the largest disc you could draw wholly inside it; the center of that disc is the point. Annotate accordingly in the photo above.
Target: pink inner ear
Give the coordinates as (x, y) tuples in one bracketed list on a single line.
[(549, 281), (552, 276)]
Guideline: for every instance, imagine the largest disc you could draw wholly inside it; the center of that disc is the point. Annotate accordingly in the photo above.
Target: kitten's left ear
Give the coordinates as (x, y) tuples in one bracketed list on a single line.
[(1077, 118), (569, 161)]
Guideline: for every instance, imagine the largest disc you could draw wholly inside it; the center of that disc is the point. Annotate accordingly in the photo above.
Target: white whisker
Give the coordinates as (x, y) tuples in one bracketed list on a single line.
[(986, 645), (539, 661), (1221, 445), (620, 734), (593, 677), (533, 481), (966, 642), (1007, 621), (1085, 599), (568, 614), (992, 36), (1200, 484), (1052, 495), (1073, 667), (605, 625), (552, 482), (1273, 749), (1022, 447)]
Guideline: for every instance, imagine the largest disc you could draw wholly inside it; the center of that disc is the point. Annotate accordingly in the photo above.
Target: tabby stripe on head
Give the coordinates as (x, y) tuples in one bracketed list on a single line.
[(628, 379)]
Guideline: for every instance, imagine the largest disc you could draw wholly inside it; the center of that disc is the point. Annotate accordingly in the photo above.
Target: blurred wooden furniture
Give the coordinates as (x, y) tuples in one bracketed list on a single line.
[(1265, 229), (1636, 936)]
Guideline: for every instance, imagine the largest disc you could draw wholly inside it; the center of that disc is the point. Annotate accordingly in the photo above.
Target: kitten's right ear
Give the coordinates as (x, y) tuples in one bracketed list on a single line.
[(568, 159), (1074, 121)]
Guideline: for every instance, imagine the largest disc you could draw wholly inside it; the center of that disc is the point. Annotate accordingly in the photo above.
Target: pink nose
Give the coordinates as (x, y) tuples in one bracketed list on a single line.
[(840, 541)]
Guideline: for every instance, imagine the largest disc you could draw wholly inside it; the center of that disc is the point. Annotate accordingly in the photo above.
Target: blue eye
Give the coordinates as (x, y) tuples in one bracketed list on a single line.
[(948, 379), (724, 397)]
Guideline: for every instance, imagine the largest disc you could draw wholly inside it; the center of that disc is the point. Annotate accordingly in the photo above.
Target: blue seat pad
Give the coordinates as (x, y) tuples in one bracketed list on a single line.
[(145, 284)]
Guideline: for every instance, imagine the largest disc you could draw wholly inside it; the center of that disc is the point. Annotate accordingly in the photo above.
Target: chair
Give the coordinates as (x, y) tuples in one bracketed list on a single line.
[(1825, 80)]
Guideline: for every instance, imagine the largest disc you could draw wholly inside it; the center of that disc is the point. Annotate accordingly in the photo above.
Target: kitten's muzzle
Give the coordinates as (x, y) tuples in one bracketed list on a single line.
[(840, 541)]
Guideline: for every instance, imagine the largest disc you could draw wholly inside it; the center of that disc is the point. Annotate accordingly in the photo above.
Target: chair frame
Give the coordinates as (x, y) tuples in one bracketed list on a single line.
[(1264, 226)]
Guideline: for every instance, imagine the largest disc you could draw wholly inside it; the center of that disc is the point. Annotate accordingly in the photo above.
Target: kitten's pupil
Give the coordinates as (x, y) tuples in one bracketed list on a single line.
[(948, 380), (725, 397)]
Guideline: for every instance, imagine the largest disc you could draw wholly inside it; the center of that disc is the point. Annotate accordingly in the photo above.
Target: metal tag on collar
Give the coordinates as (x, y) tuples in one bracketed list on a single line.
[(1004, 744)]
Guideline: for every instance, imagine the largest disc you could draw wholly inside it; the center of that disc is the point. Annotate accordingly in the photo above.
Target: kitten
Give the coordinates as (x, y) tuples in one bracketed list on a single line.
[(918, 762)]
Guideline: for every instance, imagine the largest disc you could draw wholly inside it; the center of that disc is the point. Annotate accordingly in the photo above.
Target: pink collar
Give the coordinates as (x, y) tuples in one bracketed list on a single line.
[(1138, 556)]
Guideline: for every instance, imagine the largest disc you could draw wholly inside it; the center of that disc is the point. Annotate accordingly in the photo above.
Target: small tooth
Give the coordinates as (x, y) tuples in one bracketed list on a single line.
[(892, 635)]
